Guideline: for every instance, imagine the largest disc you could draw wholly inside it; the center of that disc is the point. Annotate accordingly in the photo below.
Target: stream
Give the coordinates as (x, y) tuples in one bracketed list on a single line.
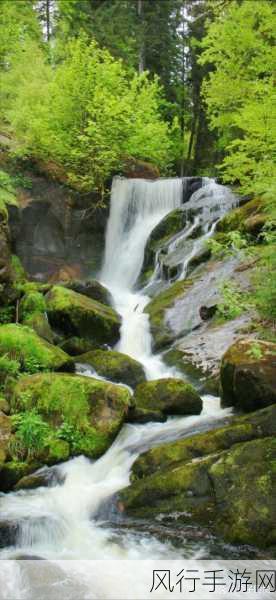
[(77, 517)]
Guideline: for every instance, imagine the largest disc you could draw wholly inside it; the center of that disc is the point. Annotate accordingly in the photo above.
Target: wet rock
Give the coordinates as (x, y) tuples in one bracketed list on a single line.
[(115, 366), (190, 185), (8, 533), (92, 289), (76, 315), (74, 346), (23, 344), (42, 478), (248, 374), (12, 471), (201, 257), (157, 308), (87, 412), (211, 479), (167, 397), (172, 224)]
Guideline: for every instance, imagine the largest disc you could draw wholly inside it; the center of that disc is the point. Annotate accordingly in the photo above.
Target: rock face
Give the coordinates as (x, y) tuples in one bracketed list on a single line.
[(211, 479), (162, 233), (115, 366), (22, 343), (140, 169), (248, 375), (156, 309), (73, 314), (164, 397), (84, 412)]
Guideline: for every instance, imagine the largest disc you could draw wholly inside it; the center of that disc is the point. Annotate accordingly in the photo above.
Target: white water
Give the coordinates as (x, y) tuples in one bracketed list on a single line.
[(137, 206), (65, 521)]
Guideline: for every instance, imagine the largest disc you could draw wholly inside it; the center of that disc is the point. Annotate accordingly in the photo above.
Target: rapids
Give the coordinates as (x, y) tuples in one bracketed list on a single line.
[(79, 519)]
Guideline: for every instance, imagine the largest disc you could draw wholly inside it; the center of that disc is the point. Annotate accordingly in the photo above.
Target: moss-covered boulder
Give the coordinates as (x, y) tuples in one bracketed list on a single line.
[(244, 481), (224, 479), (40, 324), (92, 289), (248, 374), (166, 229), (249, 218), (166, 397), (75, 346), (32, 352), (83, 412), (157, 308), (32, 312), (259, 424), (76, 315), (115, 366)]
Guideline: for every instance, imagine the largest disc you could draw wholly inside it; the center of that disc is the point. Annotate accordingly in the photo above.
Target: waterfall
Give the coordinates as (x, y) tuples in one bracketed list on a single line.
[(137, 206)]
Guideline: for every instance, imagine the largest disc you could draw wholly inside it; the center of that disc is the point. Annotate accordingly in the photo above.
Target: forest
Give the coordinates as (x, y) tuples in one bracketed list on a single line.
[(137, 281)]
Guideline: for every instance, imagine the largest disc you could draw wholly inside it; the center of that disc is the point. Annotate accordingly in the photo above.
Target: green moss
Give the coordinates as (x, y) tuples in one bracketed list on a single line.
[(85, 412), (57, 451), (168, 396), (24, 345), (236, 219), (77, 315), (18, 269), (156, 309), (33, 302), (115, 366)]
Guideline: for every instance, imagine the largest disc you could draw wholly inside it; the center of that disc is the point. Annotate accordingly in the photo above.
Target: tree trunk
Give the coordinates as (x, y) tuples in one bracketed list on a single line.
[(140, 10), (48, 32)]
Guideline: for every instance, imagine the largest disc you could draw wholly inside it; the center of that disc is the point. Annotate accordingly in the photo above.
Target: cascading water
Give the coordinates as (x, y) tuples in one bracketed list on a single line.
[(137, 206), (64, 521)]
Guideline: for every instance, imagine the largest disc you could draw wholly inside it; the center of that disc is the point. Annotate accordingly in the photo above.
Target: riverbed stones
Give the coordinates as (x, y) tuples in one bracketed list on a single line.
[(248, 374), (73, 314), (114, 366), (211, 478), (163, 397)]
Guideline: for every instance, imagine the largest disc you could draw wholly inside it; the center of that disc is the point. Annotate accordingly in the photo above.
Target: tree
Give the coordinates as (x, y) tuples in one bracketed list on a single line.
[(239, 91)]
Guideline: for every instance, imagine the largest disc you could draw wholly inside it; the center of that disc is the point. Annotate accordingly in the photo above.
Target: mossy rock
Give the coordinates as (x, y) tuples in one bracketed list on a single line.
[(261, 423), (76, 315), (18, 271), (167, 397), (248, 374), (24, 345), (85, 412), (40, 324), (4, 405), (224, 479), (172, 224), (12, 471), (236, 219), (32, 302), (76, 346), (92, 289), (115, 366), (157, 308), (184, 488), (244, 481)]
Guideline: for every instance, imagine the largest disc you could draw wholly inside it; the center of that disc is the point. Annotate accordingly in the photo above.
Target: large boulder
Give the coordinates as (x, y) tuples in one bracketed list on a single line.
[(84, 412), (140, 169), (32, 352), (74, 314), (248, 374), (92, 289), (164, 397), (224, 479), (115, 366)]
